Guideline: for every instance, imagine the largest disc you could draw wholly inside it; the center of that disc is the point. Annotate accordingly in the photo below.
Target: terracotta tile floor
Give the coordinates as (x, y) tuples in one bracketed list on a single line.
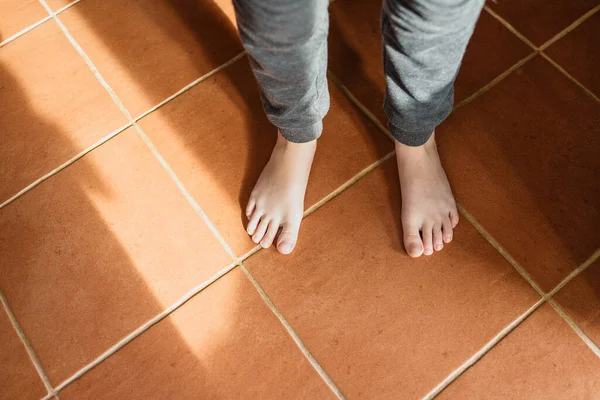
[(132, 136)]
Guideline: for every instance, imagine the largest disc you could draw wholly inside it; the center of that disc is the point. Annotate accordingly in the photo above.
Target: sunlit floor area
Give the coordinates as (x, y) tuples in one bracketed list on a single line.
[(132, 133)]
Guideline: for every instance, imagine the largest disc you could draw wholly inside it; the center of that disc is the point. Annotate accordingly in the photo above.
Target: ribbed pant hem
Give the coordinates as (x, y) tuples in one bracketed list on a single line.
[(302, 135), (413, 139)]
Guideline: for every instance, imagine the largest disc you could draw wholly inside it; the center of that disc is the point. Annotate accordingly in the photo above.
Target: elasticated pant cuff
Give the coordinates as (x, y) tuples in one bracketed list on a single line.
[(303, 135), (413, 139)]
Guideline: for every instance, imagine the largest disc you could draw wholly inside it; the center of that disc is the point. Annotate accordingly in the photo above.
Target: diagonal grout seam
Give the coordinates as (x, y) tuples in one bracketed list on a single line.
[(540, 50), (294, 335), (359, 104), (482, 352), (571, 27), (570, 77), (121, 129), (165, 165), (30, 352), (190, 199), (494, 81), (192, 202), (590, 343), (202, 286), (141, 133), (336, 192), (24, 31), (511, 28), (316, 206), (482, 231), (191, 85), (546, 296), (87, 60), (65, 165), (595, 256), (150, 323), (35, 25), (185, 192)]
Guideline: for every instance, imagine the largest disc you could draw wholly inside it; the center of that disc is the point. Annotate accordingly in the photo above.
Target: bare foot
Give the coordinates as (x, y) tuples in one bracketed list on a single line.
[(277, 200), (428, 207)]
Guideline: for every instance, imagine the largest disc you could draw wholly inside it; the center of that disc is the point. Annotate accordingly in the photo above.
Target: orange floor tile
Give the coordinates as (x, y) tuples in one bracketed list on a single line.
[(132, 136)]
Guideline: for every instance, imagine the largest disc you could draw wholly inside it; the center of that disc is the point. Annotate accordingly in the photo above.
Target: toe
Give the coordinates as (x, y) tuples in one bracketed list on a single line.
[(261, 229), (447, 230), (427, 234), (454, 218), (412, 241), (250, 207), (438, 243), (267, 240), (253, 223), (288, 237)]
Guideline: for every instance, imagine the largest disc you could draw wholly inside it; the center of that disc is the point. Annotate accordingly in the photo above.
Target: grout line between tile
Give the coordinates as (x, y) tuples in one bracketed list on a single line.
[(483, 351), (194, 204), (569, 76), (48, 397), (586, 339), (494, 81), (347, 184), (575, 272), (87, 60), (185, 192), (140, 131), (546, 297), (358, 104), (473, 221), (191, 85), (121, 129), (500, 249), (511, 28), (24, 31), (36, 24), (539, 50), (65, 165), (71, 4), (293, 334), (30, 352), (569, 28), (336, 192), (150, 323)]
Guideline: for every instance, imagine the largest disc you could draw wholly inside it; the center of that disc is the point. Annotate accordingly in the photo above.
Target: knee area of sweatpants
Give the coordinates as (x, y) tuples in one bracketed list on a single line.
[(284, 25), (431, 16)]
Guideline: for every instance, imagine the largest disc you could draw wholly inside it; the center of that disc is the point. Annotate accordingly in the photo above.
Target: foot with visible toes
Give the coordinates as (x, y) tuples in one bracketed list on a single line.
[(277, 199), (429, 211)]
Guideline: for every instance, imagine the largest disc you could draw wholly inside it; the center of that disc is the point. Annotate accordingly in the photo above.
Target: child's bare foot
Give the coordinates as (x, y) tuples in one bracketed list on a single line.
[(277, 200), (428, 207)]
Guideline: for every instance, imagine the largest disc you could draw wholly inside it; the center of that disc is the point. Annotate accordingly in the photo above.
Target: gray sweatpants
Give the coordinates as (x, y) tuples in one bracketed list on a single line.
[(423, 45)]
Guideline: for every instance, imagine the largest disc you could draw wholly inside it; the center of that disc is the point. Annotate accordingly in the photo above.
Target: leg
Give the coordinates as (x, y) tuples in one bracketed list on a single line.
[(424, 42), (286, 42)]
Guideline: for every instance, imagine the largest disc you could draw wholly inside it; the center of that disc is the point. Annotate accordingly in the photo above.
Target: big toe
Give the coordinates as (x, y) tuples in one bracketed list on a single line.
[(288, 237), (413, 243)]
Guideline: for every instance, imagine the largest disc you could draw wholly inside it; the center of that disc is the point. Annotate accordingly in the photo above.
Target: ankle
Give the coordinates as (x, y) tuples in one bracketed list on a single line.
[(285, 144), (416, 151)]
